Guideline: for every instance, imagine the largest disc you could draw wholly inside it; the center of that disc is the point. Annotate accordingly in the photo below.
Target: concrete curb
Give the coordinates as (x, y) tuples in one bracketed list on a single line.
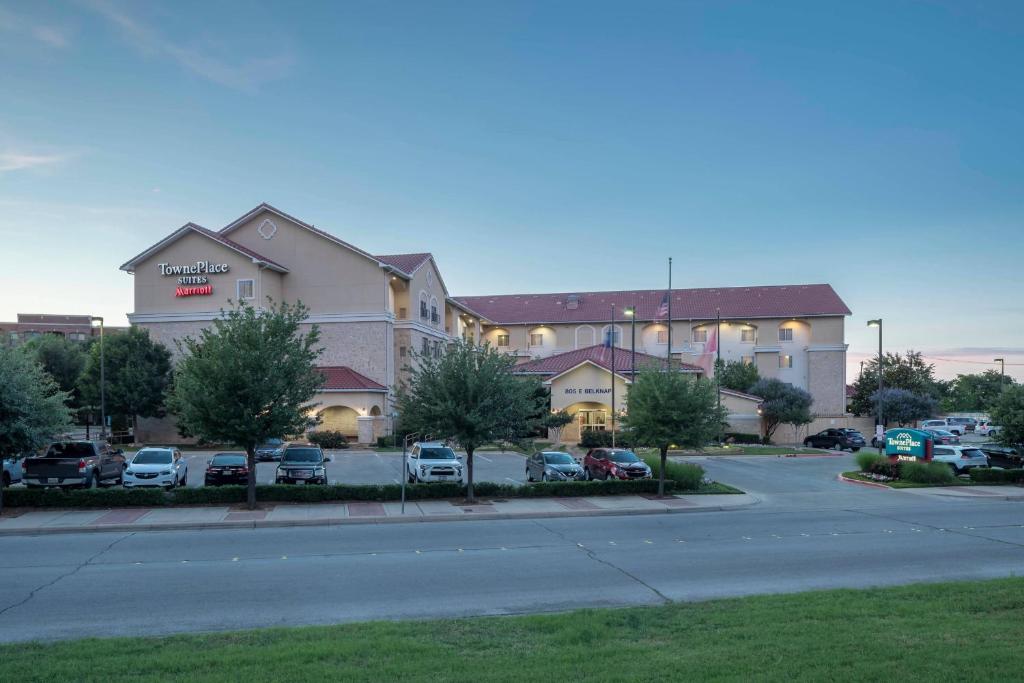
[(341, 521), (872, 484)]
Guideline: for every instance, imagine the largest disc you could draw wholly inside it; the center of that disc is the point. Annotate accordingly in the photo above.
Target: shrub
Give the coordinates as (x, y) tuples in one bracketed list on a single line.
[(866, 460), (740, 437), (387, 441), (684, 476), (883, 467), (594, 438), (328, 439), (926, 473), (995, 475), (84, 498)]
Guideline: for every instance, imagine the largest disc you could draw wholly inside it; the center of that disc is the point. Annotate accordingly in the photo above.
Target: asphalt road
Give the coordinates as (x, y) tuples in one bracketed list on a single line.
[(809, 532)]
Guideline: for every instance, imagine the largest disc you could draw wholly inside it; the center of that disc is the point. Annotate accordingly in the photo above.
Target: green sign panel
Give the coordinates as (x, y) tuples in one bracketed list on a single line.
[(908, 443)]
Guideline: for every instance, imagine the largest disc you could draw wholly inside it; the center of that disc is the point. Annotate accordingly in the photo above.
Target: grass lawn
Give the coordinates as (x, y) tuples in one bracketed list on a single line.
[(939, 632)]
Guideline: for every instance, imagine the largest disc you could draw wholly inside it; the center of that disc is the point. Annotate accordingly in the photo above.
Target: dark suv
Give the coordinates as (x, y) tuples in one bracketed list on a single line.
[(614, 463), (303, 463), (837, 439)]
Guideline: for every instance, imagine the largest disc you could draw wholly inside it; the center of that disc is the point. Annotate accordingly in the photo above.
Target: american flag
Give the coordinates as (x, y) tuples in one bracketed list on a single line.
[(663, 308)]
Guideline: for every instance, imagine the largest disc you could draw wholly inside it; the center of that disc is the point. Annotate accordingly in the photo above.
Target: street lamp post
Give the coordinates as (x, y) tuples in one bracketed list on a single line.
[(611, 341), (1002, 367), (881, 423), (631, 312), (103, 381)]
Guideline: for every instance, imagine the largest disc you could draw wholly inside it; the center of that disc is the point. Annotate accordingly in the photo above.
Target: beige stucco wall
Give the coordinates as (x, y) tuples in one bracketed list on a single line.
[(154, 293), (427, 282), (587, 383), (827, 382), (324, 275), (362, 346)]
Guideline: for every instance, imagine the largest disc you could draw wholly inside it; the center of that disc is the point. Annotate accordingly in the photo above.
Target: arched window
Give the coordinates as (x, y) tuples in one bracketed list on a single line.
[(435, 318), (424, 311), (610, 336), (585, 336)]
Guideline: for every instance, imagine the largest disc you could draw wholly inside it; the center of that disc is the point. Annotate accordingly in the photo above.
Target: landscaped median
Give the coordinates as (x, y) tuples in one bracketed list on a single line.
[(879, 471), (682, 478), (902, 633)]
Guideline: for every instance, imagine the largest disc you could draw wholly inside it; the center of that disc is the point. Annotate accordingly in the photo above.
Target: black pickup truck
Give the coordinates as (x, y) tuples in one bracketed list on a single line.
[(83, 464)]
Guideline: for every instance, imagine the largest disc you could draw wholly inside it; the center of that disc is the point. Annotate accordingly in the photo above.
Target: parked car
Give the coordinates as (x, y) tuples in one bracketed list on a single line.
[(271, 450), (986, 428), (960, 458), (952, 427), (302, 464), (157, 467), (86, 464), (942, 437), (837, 439), (432, 461), (968, 423), (553, 466), (614, 463), (11, 470), (1008, 457), (227, 468)]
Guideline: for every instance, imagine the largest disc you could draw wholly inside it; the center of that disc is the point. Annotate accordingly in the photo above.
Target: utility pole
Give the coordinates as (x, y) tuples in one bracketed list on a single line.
[(881, 419), (669, 312), (718, 364), (611, 340), (103, 383)]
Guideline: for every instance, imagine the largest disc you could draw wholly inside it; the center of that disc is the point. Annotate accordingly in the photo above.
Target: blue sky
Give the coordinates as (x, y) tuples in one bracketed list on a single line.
[(534, 147)]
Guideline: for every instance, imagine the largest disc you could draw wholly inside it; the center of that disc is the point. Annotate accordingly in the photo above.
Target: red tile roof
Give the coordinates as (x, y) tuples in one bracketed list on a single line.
[(343, 378), (599, 355), (783, 301), (407, 263)]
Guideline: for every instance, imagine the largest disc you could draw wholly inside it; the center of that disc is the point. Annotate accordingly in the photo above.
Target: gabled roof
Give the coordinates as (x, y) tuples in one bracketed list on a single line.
[(129, 265), (344, 378), (235, 224), (407, 263), (782, 301), (599, 355)]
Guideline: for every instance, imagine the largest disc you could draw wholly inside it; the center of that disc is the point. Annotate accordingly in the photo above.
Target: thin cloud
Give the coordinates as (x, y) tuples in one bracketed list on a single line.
[(52, 36), (17, 161), (246, 76)]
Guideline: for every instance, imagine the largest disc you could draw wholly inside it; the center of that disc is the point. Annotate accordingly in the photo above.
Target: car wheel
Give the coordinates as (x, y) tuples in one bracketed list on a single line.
[(412, 479), (544, 477), (92, 482), (807, 443), (184, 480), (586, 474), (855, 449), (529, 477), (956, 472)]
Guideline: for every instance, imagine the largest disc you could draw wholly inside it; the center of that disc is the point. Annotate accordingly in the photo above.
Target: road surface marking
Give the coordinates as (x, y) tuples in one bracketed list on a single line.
[(484, 458)]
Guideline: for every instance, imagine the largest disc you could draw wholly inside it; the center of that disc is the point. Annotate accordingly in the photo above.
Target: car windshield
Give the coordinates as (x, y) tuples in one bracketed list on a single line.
[(941, 432), (302, 455), (152, 458), (853, 432), (271, 443), (70, 450), (972, 453), (623, 456), (558, 459), (229, 460), (437, 454)]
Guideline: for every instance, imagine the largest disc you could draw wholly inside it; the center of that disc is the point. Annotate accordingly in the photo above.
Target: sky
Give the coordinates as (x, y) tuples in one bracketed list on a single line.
[(532, 147)]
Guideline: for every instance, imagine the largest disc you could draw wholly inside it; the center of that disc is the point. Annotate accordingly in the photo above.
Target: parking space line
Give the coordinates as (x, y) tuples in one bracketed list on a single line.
[(484, 458)]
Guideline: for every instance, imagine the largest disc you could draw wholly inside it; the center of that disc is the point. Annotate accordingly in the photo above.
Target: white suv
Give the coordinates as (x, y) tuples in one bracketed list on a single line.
[(959, 458), (986, 428), (432, 461), (952, 427)]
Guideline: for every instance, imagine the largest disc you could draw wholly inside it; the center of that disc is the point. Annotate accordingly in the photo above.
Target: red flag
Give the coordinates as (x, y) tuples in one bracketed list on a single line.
[(663, 308)]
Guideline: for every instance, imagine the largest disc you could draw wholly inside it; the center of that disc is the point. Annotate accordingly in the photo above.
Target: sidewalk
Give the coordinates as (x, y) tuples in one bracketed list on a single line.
[(321, 514), (1012, 493)]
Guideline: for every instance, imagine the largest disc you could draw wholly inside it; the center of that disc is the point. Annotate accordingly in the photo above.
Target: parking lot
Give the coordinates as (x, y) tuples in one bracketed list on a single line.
[(370, 467)]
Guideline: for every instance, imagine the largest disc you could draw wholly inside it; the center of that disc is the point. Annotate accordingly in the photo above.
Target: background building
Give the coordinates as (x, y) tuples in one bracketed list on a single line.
[(32, 325)]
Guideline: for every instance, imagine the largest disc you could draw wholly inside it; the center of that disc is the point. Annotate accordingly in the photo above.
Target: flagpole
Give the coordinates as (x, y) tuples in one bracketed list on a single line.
[(611, 340), (670, 312)]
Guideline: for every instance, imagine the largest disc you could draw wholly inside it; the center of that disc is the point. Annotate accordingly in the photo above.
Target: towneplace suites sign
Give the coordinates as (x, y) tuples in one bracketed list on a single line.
[(908, 444), (193, 278)]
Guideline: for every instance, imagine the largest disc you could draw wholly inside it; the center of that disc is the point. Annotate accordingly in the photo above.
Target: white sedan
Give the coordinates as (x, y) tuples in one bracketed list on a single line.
[(163, 467)]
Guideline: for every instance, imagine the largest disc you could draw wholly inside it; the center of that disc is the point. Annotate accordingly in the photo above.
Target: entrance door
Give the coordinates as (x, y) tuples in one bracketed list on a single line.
[(591, 419)]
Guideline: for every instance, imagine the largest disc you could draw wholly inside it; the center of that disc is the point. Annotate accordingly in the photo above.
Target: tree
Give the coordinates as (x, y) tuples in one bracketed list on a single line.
[(908, 372), (249, 377), (33, 409), (783, 404), (137, 370), (975, 392), (670, 408), (1008, 413), (468, 394), (905, 407), (63, 360), (737, 375), (556, 421)]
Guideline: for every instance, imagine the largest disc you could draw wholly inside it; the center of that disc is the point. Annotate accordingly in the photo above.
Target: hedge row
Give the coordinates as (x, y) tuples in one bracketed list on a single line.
[(988, 475), (227, 495)]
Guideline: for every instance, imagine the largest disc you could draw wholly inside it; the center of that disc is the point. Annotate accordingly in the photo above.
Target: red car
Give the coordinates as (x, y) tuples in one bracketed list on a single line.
[(614, 463)]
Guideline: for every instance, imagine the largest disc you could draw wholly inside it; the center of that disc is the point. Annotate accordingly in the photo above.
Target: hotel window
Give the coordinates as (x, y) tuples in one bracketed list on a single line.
[(748, 360), (785, 361), (433, 315), (403, 313), (425, 348), (502, 340), (14, 336), (747, 335), (700, 336), (437, 349), (612, 336), (423, 309), (401, 351), (536, 339), (663, 336), (246, 289), (785, 334)]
